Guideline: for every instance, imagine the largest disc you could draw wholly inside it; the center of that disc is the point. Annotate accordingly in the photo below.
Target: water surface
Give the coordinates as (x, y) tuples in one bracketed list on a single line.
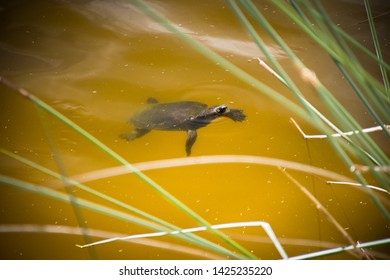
[(97, 62)]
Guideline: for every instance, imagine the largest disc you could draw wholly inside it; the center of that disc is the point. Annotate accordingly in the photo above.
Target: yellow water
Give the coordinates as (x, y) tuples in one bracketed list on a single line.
[(97, 62)]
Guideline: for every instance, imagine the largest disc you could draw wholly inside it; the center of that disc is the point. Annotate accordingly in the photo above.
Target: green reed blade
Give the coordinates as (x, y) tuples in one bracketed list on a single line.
[(377, 150), (99, 209), (163, 224), (363, 49), (362, 79), (343, 114), (377, 47), (332, 49), (65, 198), (258, 17), (63, 176), (319, 87), (286, 79)]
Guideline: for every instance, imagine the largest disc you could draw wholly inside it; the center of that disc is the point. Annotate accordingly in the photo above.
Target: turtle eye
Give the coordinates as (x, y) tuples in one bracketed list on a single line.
[(221, 109)]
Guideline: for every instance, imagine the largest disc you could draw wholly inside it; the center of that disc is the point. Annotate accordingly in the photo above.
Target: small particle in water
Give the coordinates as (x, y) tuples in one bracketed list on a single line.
[(94, 91), (120, 250), (207, 210)]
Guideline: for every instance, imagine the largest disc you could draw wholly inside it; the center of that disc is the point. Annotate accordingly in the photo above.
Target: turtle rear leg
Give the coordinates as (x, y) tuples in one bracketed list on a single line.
[(191, 138), (136, 133)]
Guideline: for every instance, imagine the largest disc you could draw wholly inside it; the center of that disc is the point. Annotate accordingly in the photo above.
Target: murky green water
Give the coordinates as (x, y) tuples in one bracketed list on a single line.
[(97, 62)]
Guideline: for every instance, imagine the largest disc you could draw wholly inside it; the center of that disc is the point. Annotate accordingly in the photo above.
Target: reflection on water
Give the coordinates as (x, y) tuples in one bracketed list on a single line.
[(97, 62)]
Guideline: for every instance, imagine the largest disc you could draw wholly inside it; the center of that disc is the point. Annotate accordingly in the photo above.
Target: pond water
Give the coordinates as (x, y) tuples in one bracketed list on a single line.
[(97, 62)]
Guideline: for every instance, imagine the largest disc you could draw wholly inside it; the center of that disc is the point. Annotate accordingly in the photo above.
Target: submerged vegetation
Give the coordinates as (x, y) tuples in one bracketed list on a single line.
[(364, 156)]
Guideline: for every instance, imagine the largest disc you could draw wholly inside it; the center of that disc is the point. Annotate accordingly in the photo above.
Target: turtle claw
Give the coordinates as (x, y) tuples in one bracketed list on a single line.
[(127, 136), (136, 133)]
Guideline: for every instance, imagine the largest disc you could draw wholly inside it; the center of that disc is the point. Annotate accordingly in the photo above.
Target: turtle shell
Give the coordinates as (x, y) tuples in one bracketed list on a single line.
[(169, 116)]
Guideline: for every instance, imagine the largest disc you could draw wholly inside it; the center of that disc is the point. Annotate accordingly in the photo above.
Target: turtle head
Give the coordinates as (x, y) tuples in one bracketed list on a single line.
[(220, 111), (209, 114), (223, 110)]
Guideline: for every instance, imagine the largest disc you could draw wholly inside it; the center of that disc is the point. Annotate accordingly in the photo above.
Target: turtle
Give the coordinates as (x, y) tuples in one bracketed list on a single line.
[(178, 116)]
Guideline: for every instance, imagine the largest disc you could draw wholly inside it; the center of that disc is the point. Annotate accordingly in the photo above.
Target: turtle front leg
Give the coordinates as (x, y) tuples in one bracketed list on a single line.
[(136, 133), (191, 138)]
